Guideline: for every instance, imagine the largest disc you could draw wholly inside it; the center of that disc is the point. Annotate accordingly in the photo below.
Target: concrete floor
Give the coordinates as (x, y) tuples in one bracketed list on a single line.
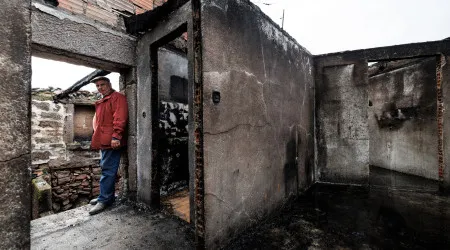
[(397, 211), (122, 226)]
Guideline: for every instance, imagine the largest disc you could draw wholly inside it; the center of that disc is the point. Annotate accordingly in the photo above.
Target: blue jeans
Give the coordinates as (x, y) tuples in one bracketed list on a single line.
[(110, 164)]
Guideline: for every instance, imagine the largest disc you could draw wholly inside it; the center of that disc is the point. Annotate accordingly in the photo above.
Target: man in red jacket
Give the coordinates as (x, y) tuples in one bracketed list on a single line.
[(110, 121)]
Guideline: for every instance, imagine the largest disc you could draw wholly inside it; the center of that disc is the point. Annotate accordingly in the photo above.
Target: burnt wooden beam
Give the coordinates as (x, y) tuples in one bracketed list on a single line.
[(148, 20), (79, 84), (396, 52)]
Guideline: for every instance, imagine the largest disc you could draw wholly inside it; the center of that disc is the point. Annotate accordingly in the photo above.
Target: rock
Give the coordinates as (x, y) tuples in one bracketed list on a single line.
[(73, 197), (51, 115), (64, 180), (36, 156), (66, 207), (56, 207), (62, 174), (81, 177), (49, 124), (41, 105)]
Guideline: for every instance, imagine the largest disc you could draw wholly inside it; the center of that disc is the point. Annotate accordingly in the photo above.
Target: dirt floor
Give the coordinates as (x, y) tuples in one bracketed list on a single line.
[(122, 226), (178, 204)]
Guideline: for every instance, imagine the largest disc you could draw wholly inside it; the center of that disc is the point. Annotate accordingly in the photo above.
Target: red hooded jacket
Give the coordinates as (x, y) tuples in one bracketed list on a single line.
[(111, 115)]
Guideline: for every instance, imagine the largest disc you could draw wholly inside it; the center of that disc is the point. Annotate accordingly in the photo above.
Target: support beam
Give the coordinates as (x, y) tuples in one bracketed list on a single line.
[(395, 52), (150, 19), (62, 36)]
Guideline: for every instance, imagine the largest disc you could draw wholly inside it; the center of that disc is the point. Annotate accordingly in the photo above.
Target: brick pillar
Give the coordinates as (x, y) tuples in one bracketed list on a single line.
[(15, 122)]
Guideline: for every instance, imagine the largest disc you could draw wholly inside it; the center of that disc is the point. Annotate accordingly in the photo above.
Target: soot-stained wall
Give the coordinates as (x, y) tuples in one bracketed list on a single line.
[(341, 122), (402, 117), (263, 122), (172, 76), (446, 116)]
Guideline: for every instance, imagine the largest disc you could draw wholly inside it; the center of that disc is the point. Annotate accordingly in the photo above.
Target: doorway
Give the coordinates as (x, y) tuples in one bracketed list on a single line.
[(171, 176)]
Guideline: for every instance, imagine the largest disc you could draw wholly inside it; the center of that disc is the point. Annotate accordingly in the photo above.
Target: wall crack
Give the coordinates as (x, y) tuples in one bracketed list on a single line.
[(15, 157), (236, 127)]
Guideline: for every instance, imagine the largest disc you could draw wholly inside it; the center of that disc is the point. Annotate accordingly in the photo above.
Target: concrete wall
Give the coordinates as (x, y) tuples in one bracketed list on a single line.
[(402, 119), (341, 122), (60, 35), (15, 121), (171, 64), (143, 75), (264, 119)]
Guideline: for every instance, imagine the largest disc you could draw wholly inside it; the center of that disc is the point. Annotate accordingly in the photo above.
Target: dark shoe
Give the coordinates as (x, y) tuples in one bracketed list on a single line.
[(97, 208), (93, 201)]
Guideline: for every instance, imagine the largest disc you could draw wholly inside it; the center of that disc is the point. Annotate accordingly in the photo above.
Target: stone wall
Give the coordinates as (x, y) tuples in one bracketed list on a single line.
[(258, 138), (403, 117), (73, 183), (173, 146), (53, 130), (58, 155)]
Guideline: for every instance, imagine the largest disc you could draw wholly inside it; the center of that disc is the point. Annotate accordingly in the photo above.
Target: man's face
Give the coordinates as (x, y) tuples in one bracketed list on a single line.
[(103, 87)]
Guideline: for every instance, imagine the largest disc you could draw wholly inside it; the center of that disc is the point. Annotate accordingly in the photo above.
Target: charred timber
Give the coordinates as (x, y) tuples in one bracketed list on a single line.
[(148, 20), (79, 84)]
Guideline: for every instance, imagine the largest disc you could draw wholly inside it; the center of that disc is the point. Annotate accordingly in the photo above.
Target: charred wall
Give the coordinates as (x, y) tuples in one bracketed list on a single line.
[(402, 116), (341, 122), (445, 81), (258, 138)]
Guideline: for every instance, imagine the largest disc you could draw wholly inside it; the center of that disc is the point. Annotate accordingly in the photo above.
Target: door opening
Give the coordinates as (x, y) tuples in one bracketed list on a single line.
[(170, 136)]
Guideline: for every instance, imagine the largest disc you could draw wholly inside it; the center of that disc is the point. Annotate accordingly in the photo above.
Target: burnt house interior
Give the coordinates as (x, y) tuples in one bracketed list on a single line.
[(237, 129)]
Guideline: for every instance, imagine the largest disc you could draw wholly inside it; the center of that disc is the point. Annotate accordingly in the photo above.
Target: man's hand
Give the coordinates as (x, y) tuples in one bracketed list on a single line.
[(115, 144)]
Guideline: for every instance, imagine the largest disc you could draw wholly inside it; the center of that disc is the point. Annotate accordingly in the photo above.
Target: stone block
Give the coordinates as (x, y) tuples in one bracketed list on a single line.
[(44, 140), (81, 177), (50, 124), (41, 105), (62, 174), (63, 180), (39, 156), (51, 115), (56, 207)]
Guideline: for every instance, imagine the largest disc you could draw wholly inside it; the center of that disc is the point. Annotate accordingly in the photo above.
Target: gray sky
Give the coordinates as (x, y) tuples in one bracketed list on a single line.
[(321, 26), (62, 75), (324, 26)]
